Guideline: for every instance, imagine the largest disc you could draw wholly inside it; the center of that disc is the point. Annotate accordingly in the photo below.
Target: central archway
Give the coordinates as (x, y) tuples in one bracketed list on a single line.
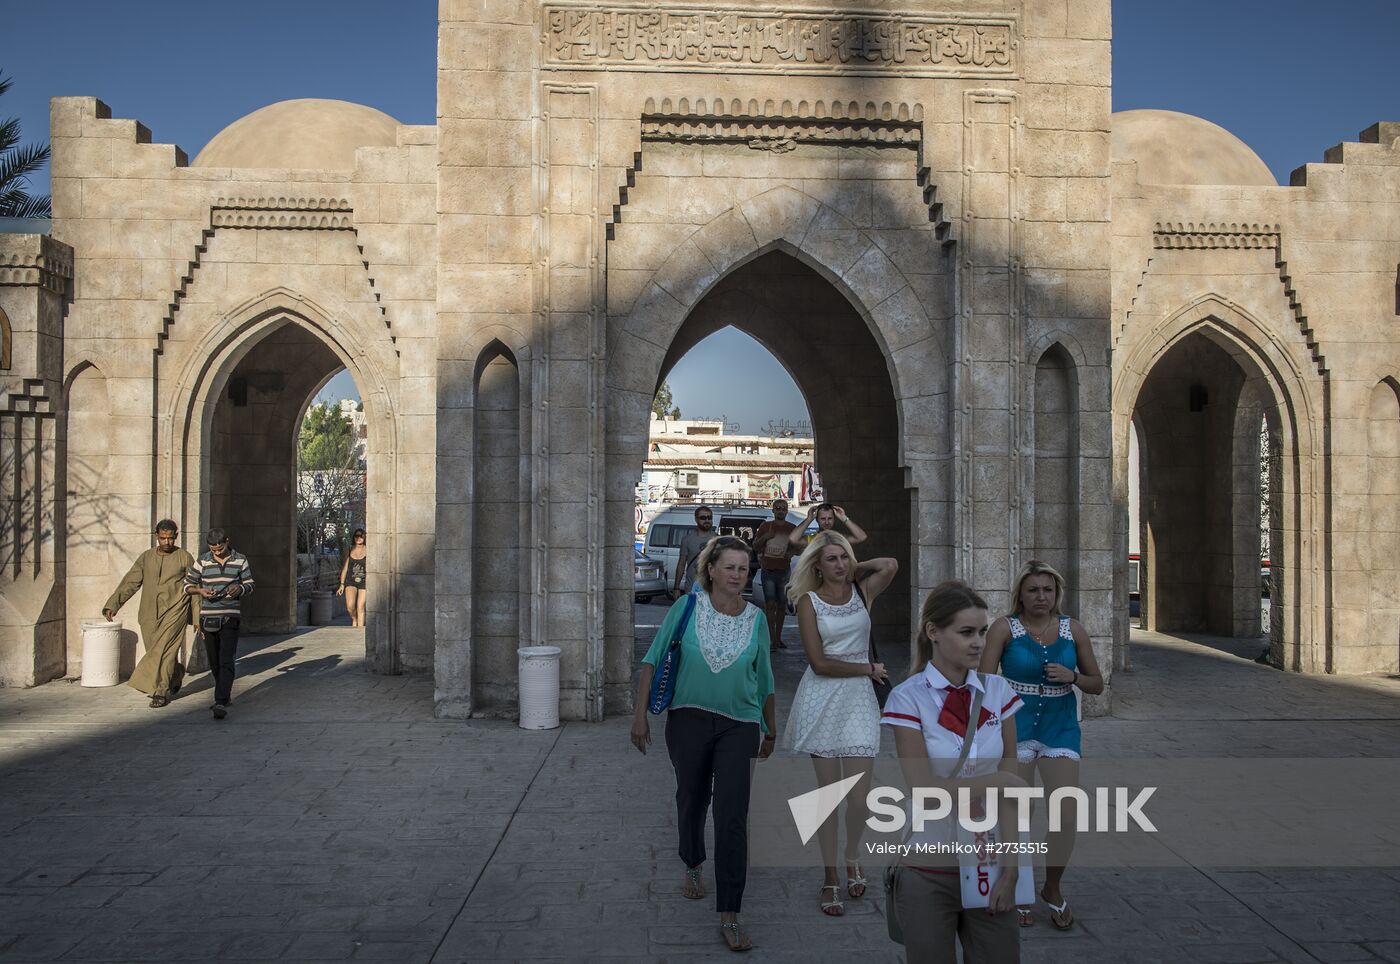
[(886, 352), (819, 337)]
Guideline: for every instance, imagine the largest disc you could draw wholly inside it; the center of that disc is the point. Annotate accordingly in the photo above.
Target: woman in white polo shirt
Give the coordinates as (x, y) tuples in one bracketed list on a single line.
[(929, 712)]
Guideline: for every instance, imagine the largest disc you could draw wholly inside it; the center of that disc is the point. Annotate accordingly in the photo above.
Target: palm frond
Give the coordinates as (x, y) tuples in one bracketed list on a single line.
[(19, 162), (9, 133), (18, 204)]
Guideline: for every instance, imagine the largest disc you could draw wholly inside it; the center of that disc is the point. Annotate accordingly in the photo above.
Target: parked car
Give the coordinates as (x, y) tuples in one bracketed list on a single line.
[(669, 526), (648, 577)]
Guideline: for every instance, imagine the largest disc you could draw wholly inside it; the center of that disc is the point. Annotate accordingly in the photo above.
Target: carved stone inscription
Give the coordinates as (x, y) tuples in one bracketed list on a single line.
[(632, 39)]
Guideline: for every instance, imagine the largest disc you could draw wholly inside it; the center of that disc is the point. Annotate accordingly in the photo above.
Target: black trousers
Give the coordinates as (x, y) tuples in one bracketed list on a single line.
[(222, 649), (713, 758)]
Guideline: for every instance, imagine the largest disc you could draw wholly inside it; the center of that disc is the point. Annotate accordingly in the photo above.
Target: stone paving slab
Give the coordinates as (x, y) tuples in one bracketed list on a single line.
[(332, 818)]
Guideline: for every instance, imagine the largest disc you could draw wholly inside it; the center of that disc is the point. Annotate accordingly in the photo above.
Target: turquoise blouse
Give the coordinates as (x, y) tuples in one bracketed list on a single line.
[(724, 660)]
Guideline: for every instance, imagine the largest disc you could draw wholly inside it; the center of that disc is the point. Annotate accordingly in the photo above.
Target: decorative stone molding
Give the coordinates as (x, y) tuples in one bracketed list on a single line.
[(595, 37), (278, 213), (304, 220), (1212, 236), (316, 213), (45, 264), (780, 127), (283, 203)]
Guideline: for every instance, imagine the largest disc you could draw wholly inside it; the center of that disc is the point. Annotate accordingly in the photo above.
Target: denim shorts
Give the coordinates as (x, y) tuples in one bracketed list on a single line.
[(775, 583)]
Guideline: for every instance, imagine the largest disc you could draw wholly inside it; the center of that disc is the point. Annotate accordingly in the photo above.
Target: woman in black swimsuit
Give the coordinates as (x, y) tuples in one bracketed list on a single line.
[(352, 578)]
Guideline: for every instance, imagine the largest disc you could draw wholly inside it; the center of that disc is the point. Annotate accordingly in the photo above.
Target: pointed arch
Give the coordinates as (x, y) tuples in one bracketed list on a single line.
[(1291, 389), (90, 530), (648, 309), (498, 517), (186, 449), (1054, 469), (780, 219)]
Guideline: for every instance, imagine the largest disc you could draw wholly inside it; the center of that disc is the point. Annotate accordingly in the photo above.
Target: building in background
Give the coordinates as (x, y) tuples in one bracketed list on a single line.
[(693, 460)]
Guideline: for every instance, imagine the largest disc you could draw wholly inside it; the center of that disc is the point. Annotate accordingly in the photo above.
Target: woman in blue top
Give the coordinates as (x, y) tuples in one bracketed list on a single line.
[(720, 718), (1044, 655)]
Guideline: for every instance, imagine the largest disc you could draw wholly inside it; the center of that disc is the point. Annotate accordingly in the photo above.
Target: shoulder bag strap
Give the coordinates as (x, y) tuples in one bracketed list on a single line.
[(874, 654), (685, 619), (973, 712)]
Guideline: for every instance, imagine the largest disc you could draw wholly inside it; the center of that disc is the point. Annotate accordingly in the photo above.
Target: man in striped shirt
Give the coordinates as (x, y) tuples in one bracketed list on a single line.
[(220, 578)]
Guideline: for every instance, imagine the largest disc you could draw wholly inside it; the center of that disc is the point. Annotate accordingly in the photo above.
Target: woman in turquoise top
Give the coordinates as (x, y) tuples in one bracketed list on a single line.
[(1044, 655), (720, 718)]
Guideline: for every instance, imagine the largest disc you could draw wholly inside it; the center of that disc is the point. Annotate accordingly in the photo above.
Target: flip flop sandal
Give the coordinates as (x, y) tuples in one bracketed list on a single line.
[(726, 928), (1057, 912), (692, 878), (1024, 917), (834, 907)]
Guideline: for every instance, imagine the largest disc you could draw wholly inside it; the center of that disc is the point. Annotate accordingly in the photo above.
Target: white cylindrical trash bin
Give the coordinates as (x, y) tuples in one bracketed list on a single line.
[(539, 687), (102, 652), (321, 611)]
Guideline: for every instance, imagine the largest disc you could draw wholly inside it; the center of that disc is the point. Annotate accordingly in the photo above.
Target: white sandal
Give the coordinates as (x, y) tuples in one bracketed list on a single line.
[(834, 907), (856, 879)]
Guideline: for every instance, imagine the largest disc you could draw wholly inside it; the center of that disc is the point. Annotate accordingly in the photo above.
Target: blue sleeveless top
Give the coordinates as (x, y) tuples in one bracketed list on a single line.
[(1049, 720)]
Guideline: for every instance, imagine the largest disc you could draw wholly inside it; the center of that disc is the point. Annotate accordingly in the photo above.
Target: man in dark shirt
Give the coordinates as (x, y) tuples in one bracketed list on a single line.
[(221, 578)]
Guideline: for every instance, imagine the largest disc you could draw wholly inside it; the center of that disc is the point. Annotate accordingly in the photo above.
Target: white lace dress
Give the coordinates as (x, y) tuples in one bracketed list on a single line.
[(835, 716)]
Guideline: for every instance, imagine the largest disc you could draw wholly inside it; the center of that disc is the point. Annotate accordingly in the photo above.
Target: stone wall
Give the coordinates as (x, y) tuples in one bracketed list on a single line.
[(181, 271), (1298, 285)]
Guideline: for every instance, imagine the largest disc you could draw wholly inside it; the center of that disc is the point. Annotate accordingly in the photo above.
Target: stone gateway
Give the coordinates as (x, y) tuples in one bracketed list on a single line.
[(989, 288)]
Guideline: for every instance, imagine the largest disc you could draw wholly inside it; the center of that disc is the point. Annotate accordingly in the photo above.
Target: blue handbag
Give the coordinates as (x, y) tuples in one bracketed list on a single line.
[(663, 683)]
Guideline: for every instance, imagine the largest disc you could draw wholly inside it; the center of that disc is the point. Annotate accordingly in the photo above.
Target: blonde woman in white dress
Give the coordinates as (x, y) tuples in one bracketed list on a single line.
[(835, 717)]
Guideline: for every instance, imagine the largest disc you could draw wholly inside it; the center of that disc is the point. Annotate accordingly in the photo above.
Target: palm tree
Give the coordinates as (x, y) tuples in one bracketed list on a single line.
[(17, 162)]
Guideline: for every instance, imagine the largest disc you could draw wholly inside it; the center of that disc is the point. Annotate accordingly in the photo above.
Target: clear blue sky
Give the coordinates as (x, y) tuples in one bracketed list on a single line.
[(1287, 77)]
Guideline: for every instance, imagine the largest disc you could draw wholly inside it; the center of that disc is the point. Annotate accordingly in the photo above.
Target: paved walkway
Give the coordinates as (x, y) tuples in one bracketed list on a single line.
[(331, 817)]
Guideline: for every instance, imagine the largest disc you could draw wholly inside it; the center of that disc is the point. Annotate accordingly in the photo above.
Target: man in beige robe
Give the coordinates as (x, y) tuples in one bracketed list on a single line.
[(165, 612)]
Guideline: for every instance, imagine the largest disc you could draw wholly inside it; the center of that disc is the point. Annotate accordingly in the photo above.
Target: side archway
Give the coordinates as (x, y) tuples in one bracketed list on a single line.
[(1190, 381), (233, 414)]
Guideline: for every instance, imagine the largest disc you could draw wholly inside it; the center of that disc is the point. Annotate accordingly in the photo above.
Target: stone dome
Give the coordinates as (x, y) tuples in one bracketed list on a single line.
[(309, 133), (1176, 148)]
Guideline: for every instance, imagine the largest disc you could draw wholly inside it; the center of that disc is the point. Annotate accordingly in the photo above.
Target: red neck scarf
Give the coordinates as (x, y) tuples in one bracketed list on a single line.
[(956, 707)]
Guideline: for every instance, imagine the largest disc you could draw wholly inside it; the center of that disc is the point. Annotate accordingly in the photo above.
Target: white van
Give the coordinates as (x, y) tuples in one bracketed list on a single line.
[(669, 526)]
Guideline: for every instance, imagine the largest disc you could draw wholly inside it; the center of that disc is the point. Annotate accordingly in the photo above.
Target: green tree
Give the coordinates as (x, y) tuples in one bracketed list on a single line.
[(662, 404), (17, 162), (326, 441), (330, 480)]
